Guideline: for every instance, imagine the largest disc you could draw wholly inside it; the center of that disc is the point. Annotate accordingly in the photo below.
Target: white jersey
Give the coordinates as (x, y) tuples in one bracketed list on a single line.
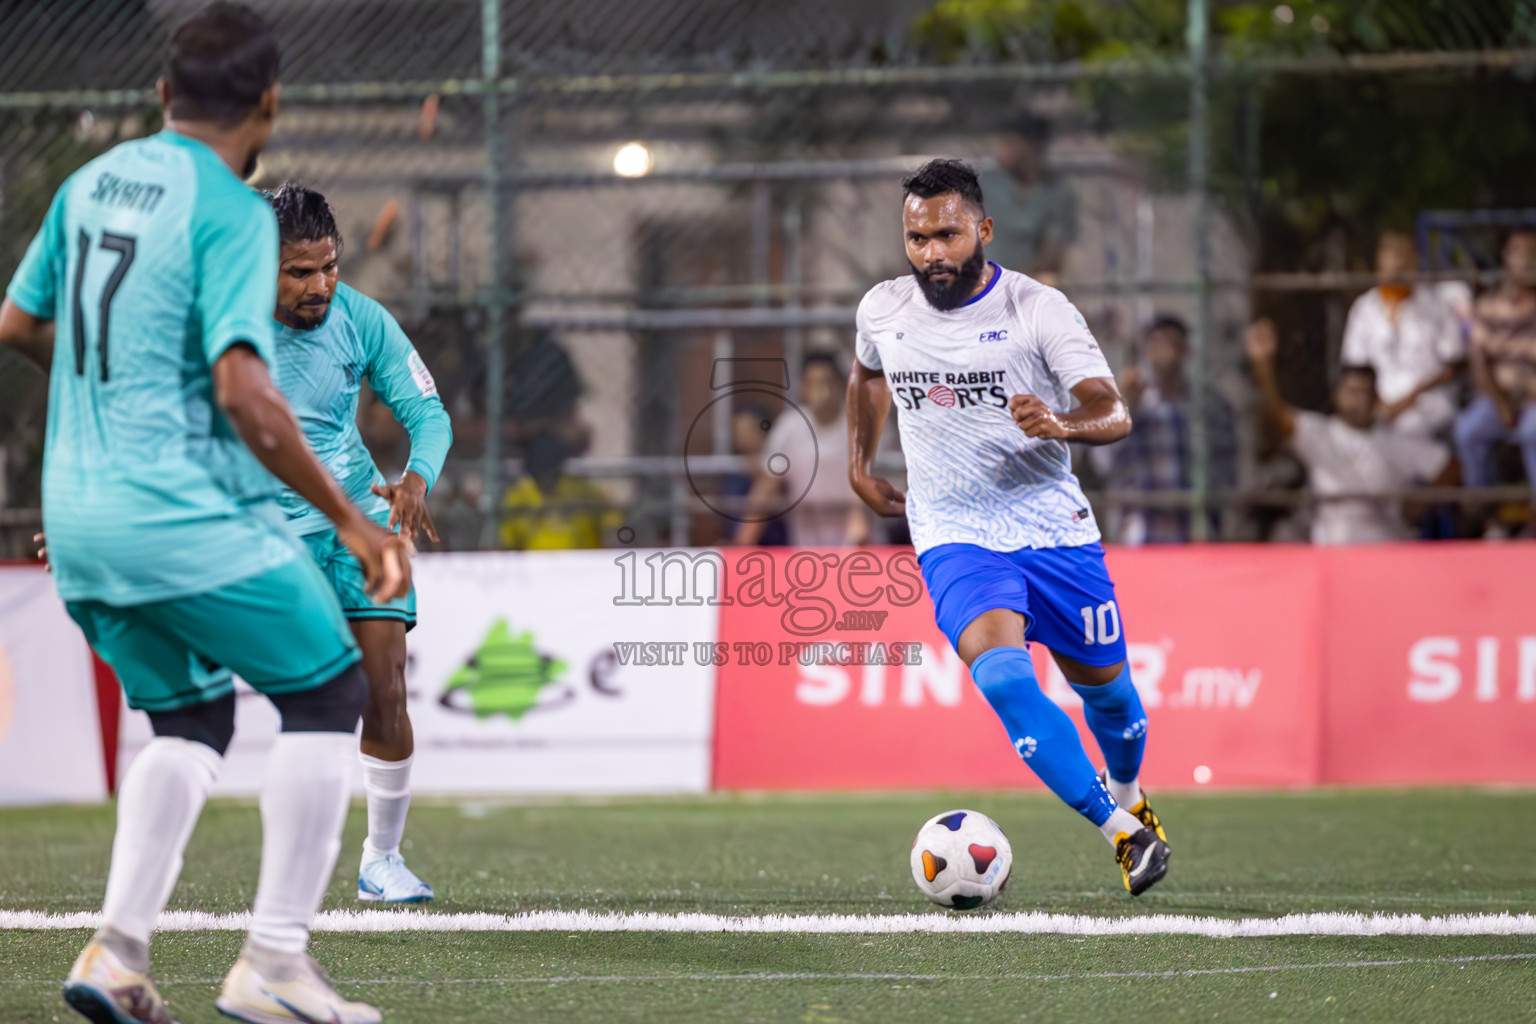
[(972, 475)]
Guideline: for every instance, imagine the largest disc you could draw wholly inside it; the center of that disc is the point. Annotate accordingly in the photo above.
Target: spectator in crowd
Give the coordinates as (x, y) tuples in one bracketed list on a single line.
[(543, 387), (548, 509), (1157, 456), (462, 517), (1350, 456), (814, 463), (750, 425), (1410, 336), (1503, 359), (1033, 209)]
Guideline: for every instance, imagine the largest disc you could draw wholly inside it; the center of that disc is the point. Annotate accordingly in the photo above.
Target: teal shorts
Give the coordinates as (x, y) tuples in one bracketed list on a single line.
[(281, 631), (345, 576)]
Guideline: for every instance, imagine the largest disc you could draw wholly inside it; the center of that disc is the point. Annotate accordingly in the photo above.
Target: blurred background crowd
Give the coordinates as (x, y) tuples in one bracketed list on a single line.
[(628, 238)]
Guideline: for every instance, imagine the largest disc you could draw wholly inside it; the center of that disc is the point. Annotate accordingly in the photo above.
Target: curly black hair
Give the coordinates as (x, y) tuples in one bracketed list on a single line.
[(303, 215), (942, 178)]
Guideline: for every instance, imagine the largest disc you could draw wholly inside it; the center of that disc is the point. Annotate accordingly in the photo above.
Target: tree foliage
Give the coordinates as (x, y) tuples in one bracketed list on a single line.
[(1296, 155), (1107, 29)]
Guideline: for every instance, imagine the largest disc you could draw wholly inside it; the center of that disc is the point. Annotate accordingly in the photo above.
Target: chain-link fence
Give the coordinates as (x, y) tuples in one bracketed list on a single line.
[(578, 210)]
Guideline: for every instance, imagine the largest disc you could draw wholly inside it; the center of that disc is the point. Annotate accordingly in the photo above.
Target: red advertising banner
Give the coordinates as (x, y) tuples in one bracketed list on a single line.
[(1258, 666), (1431, 664), (1224, 645), (903, 718)]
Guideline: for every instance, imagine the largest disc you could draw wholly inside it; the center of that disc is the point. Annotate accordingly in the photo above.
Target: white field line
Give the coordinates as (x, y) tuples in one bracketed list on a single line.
[(561, 979), (831, 924), (702, 976)]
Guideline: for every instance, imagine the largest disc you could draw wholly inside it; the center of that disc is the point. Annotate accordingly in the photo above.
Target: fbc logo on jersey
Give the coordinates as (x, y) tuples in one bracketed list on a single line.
[(917, 389)]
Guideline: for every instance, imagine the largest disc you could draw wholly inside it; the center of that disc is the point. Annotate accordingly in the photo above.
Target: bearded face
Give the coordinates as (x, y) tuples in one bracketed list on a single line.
[(947, 286)]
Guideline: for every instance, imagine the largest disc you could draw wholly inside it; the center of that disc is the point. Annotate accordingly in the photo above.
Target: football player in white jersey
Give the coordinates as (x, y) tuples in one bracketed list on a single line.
[(985, 365)]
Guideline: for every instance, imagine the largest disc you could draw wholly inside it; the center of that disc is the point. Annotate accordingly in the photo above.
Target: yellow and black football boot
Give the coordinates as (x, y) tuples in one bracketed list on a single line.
[(1143, 859)]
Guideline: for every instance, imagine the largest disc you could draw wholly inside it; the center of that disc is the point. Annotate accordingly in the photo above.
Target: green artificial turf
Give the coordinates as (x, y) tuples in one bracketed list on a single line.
[(1236, 855)]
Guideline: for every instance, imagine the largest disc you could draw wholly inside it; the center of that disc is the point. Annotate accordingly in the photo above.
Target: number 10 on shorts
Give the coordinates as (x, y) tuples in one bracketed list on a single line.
[(1101, 625)]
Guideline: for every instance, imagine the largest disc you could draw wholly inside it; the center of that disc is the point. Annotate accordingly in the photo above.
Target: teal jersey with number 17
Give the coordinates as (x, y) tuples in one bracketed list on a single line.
[(153, 260)]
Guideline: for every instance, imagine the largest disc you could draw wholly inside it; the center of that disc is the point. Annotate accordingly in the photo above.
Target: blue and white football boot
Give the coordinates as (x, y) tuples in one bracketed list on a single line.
[(386, 879)]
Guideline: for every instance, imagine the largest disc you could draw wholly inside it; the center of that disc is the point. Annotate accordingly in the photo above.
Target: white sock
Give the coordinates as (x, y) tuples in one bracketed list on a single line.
[(388, 785), (303, 808), (1126, 794), (1120, 822), (157, 806)]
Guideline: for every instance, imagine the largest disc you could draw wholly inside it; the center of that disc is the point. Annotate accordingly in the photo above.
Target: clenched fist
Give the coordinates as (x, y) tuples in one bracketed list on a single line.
[(1036, 419)]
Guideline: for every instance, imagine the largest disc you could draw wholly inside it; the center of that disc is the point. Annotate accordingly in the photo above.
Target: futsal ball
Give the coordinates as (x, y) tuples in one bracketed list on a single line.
[(961, 859)]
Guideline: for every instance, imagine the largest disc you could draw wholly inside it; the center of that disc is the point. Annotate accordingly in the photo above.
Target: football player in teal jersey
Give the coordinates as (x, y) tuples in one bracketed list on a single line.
[(331, 338), (165, 430)]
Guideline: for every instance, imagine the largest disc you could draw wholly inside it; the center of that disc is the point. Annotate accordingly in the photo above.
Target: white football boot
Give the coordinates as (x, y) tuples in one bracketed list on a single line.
[(267, 987), (386, 879), (106, 991)]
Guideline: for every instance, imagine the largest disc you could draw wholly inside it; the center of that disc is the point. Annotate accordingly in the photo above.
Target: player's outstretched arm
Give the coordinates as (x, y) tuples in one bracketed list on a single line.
[(1101, 416), (261, 416), (869, 403), (1262, 343), (31, 335)]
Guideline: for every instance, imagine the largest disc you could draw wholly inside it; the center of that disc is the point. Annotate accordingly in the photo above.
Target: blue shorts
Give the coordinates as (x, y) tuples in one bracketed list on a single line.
[(1065, 595)]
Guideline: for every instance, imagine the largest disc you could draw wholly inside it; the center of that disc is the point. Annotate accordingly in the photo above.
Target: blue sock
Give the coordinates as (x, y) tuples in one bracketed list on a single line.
[(1041, 732), (1117, 720)]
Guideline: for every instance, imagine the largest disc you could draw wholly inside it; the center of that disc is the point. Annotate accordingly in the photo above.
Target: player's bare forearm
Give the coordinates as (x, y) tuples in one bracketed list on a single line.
[(1101, 416), (17, 326), (869, 403), (257, 410), (31, 336)]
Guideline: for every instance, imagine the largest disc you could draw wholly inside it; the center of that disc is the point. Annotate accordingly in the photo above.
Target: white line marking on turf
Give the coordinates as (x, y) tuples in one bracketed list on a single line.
[(562, 979), (571, 979), (830, 924)]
